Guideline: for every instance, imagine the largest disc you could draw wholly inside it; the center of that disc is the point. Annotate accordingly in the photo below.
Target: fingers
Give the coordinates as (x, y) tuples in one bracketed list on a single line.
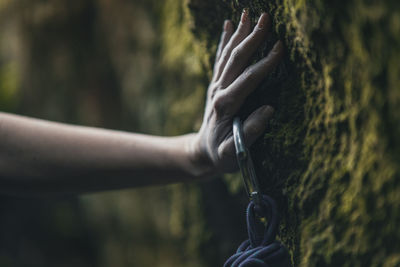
[(225, 37), (242, 53), (253, 127), (256, 123), (241, 33), (237, 92)]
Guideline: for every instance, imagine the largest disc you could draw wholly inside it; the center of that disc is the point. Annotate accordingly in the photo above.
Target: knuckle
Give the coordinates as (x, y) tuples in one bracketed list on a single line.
[(225, 55), (217, 85), (224, 151), (214, 89), (249, 73), (221, 104), (236, 54), (257, 31)]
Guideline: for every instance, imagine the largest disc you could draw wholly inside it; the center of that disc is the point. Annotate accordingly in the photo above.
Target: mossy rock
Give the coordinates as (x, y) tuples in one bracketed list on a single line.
[(331, 155)]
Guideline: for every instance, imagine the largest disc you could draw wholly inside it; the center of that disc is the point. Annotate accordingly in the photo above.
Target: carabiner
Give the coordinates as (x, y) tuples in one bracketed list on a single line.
[(245, 163)]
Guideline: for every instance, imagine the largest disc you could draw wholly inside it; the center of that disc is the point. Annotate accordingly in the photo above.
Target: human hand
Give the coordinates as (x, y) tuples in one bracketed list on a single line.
[(233, 80)]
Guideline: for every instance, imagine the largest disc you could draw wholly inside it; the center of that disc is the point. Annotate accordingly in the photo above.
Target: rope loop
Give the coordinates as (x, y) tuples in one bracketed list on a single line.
[(261, 249), (259, 234)]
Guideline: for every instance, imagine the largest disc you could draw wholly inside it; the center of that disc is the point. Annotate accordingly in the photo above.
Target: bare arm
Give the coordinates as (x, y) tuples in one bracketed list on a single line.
[(41, 157)]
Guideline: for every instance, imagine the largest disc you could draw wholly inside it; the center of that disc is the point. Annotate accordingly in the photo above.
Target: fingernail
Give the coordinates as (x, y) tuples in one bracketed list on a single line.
[(245, 15), (226, 23), (262, 20), (278, 46)]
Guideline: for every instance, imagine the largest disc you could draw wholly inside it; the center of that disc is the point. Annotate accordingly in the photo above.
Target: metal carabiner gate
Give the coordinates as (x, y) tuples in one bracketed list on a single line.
[(245, 162)]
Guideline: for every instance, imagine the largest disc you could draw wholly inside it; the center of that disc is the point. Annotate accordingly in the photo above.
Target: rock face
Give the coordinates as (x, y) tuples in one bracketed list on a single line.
[(331, 156)]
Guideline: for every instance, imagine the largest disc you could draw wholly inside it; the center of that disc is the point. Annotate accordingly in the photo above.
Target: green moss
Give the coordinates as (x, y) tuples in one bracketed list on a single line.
[(8, 86), (332, 152)]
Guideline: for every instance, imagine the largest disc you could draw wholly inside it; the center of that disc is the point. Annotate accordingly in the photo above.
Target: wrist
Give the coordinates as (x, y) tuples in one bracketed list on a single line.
[(201, 165)]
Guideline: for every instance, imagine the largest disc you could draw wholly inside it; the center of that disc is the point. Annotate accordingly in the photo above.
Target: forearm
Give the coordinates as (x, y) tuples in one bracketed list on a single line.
[(42, 157), (38, 156)]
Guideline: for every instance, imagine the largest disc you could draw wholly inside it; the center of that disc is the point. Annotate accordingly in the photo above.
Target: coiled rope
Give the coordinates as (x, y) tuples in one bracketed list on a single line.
[(261, 249)]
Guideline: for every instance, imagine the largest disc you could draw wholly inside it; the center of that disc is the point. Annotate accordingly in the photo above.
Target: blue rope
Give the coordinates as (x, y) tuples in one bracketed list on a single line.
[(261, 249)]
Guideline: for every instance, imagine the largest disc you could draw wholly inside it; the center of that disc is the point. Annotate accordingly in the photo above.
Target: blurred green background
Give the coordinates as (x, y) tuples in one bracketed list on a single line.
[(131, 65), (330, 156)]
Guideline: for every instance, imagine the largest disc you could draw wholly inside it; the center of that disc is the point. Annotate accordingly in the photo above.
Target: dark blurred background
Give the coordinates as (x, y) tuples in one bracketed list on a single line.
[(131, 65)]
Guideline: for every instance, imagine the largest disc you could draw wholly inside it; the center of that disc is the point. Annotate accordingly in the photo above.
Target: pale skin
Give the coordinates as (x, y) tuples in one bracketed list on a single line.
[(41, 158)]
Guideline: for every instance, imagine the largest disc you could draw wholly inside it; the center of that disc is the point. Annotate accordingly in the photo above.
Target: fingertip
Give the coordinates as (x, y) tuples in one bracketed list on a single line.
[(256, 123), (227, 25), (268, 110), (263, 20), (278, 47), (264, 112), (245, 16), (244, 26), (274, 56)]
